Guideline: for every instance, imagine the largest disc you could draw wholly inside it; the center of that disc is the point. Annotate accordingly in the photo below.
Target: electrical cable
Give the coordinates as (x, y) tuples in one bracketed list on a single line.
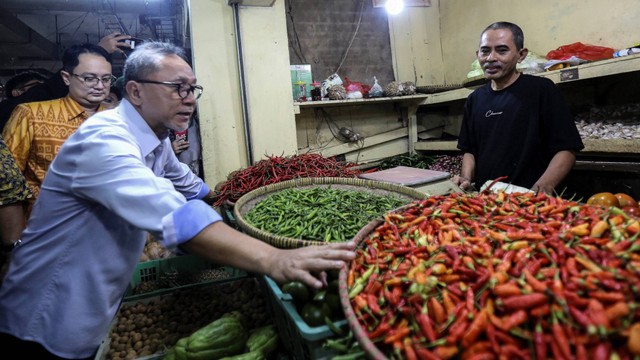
[(298, 49), (344, 57)]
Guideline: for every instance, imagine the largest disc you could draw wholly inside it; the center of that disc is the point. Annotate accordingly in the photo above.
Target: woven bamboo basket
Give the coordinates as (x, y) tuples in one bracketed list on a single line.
[(359, 332), (249, 200)]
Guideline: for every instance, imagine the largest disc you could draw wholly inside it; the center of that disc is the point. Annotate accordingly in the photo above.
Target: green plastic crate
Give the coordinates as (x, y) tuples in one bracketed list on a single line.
[(301, 341), (184, 264)]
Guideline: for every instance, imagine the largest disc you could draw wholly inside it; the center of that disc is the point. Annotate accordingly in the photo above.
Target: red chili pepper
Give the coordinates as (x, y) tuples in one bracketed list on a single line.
[(606, 296), (506, 290), (437, 310), (425, 354), (560, 338), (580, 317), (398, 334), (470, 299), (524, 301), (535, 283), (372, 301), (409, 353), (426, 327), (477, 327)]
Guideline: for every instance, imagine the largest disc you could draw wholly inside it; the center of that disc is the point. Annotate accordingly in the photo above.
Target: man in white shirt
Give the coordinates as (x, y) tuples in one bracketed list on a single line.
[(114, 179)]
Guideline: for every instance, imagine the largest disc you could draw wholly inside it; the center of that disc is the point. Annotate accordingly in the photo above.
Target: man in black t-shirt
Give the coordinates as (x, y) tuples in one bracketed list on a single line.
[(517, 125)]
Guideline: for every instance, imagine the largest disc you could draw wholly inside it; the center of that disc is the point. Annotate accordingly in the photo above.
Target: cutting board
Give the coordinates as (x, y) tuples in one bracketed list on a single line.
[(406, 176)]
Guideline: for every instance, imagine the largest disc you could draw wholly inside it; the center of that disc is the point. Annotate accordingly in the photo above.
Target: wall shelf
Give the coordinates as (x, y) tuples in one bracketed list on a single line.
[(591, 70), (408, 99)]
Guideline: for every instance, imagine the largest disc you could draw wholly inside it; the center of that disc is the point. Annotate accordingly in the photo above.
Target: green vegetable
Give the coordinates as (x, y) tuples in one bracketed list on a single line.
[(253, 355), (223, 337), (313, 314), (264, 339), (298, 291)]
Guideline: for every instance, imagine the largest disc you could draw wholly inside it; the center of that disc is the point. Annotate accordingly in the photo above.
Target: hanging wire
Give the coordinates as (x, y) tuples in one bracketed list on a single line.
[(344, 57), (297, 46)]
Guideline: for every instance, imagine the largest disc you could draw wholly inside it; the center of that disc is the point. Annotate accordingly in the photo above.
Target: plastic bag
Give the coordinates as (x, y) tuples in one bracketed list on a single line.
[(376, 89), (354, 89), (581, 51)]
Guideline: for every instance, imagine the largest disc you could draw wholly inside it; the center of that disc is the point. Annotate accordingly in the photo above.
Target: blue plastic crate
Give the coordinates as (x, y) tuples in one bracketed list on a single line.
[(301, 341)]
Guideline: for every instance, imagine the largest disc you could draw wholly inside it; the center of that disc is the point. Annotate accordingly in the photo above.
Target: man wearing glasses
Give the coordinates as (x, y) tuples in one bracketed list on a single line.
[(35, 131), (113, 180)]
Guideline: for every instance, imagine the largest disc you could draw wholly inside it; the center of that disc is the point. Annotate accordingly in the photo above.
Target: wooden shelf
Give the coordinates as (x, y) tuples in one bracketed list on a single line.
[(409, 99), (590, 146), (589, 70)]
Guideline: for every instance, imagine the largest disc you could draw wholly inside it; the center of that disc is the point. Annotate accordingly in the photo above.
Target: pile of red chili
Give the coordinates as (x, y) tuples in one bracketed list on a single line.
[(275, 169), (500, 276)]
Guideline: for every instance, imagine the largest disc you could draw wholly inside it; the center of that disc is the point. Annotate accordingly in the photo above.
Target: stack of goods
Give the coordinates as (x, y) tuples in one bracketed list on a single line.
[(496, 275), (275, 169), (610, 122)]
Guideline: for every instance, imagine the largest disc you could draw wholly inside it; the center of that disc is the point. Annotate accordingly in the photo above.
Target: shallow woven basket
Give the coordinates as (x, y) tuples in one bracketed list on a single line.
[(370, 349), (249, 200)]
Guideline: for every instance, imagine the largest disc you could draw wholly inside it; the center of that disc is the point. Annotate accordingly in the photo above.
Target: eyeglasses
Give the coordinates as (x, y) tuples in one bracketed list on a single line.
[(183, 90), (91, 81)]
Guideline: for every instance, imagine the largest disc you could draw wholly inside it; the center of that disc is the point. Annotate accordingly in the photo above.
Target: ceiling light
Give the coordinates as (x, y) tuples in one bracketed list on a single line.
[(394, 7)]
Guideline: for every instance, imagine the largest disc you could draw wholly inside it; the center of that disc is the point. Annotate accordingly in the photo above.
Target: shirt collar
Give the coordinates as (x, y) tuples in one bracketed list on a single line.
[(75, 109), (147, 139)]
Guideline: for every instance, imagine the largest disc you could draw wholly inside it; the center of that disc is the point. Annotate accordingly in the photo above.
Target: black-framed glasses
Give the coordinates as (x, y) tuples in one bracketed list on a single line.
[(91, 81), (183, 90)]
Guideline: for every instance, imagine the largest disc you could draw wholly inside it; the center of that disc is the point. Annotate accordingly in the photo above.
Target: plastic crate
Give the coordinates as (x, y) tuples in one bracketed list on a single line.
[(203, 294), (300, 340), (185, 264)]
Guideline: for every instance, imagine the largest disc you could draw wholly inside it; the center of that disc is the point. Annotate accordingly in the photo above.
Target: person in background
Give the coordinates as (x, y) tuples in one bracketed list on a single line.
[(36, 130), (22, 82), (13, 194), (113, 99), (113, 180), (54, 87), (186, 145), (516, 125)]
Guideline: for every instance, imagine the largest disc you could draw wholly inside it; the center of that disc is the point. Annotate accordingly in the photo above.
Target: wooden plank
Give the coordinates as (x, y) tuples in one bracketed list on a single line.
[(418, 98), (436, 145)]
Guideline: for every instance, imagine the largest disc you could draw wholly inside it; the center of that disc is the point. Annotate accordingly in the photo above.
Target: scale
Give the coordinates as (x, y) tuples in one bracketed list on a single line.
[(430, 182)]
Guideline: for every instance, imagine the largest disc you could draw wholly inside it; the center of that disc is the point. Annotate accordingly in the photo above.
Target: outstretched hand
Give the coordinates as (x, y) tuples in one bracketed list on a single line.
[(308, 264), (115, 43)]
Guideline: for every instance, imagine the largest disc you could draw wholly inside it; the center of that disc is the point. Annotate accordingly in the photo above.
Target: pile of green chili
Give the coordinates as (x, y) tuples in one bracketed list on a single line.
[(321, 213)]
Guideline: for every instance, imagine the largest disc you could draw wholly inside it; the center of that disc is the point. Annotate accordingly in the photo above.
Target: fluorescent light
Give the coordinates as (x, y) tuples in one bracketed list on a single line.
[(394, 7)]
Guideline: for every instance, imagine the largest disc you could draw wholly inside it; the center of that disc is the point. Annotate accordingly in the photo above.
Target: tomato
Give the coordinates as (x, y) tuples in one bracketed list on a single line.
[(626, 200), (632, 210), (604, 199)]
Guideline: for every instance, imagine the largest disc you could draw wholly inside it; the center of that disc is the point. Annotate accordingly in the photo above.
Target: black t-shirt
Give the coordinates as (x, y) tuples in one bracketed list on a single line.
[(516, 131)]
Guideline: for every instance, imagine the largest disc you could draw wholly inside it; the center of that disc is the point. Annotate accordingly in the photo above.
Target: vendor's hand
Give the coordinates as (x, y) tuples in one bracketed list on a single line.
[(463, 183), (115, 43), (179, 146), (308, 264), (539, 187)]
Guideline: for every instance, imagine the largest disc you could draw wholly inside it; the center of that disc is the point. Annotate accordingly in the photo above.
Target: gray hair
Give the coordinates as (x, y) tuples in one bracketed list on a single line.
[(516, 31), (146, 58)]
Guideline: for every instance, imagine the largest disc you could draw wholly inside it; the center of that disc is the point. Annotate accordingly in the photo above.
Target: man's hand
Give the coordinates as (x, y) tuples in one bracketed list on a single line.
[(179, 146), (115, 43), (463, 183)]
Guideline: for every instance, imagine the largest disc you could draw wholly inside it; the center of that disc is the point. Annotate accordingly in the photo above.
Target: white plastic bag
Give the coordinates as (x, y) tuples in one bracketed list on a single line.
[(376, 89)]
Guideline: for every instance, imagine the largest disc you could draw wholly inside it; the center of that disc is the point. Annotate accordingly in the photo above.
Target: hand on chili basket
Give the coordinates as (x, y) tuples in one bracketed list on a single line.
[(179, 146)]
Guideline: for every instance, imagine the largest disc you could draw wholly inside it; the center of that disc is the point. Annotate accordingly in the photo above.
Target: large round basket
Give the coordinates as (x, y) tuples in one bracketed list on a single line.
[(249, 200), (359, 333)]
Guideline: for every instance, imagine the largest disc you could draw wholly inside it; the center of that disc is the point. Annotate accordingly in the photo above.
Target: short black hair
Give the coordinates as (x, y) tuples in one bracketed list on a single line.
[(516, 31), (71, 56), (17, 81)]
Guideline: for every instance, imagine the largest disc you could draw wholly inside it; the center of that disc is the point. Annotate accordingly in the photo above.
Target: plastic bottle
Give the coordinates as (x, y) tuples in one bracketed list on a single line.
[(625, 52), (316, 92)]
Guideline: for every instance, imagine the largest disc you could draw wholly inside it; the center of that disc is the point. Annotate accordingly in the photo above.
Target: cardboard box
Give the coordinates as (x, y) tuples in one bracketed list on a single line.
[(301, 74)]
